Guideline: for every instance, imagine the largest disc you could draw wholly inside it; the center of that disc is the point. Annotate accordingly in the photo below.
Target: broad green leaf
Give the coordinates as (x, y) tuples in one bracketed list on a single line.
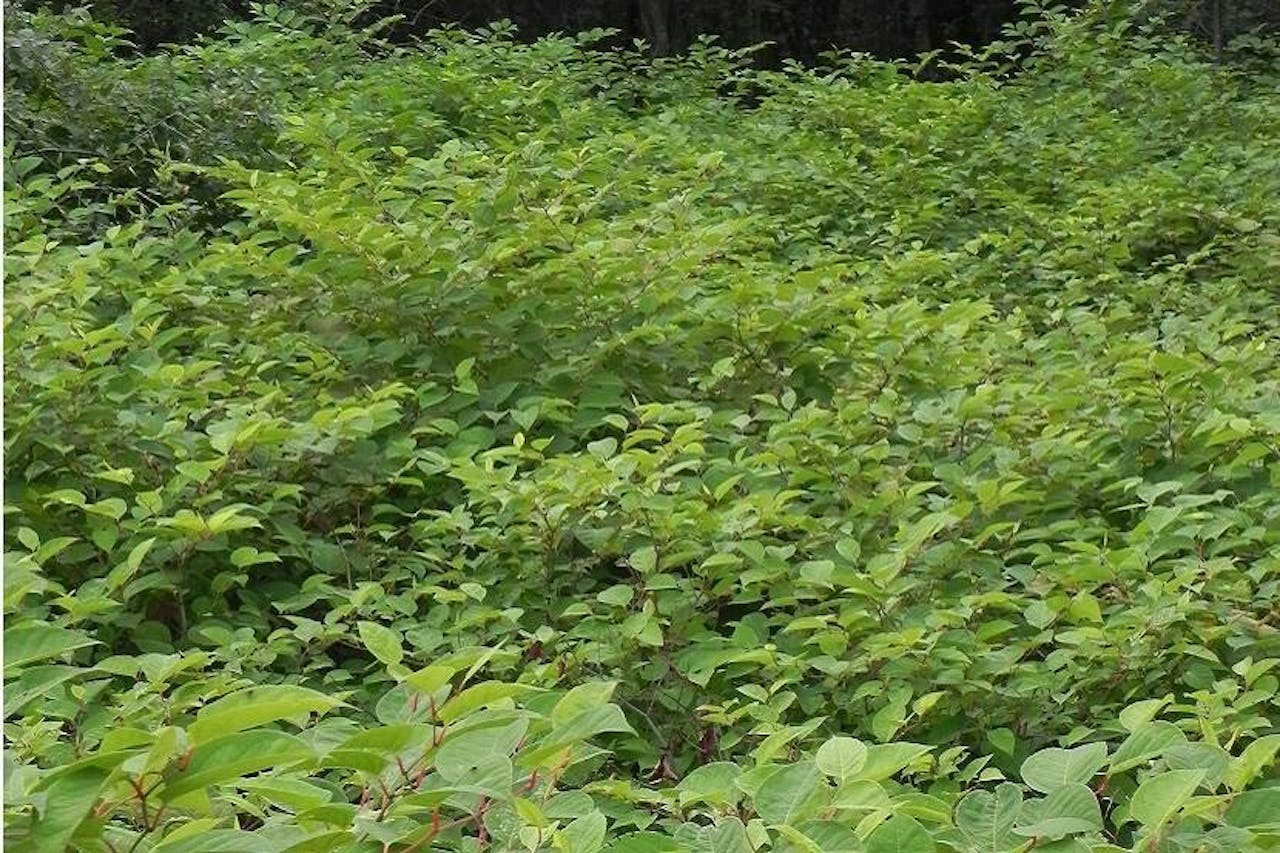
[(231, 757), (886, 722), (646, 842), (730, 836), (900, 834), (886, 759), (711, 783), (105, 760), (479, 696), (430, 679), (790, 794), (39, 681), (1213, 760), (529, 812), (29, 643), (382, 642), (492, 776), (373, 749), (582, 698), (569, 805), (255, 706), (1158, 799), (987, 818), (1139, 714), (584, 834), (644, 560), (1069, 810), (1255, 758), (1258, 808), (772, 745), (295, 794), (859, 795), (796, 840), (1067, 845), (922, 806), (1145, 743), (1052, 768), (828, 836), (67, 802), (841, 757), (187, 832), (618, 595), (121, 574), (588, 724), (240, 841), (465, 750)]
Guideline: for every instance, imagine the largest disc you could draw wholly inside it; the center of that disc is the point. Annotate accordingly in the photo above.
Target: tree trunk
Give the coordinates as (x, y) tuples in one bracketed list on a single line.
[(918, 25), (655, 23), (1217, 32)]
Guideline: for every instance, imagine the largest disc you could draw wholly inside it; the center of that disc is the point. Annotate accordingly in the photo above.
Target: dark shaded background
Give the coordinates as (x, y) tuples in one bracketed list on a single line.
[(801, 29)]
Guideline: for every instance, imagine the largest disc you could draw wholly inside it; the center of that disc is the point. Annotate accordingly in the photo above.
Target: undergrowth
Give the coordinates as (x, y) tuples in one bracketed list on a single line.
[(490, 446)]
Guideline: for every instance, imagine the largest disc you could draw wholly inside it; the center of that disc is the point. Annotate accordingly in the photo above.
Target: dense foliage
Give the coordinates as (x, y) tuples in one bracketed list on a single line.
[(487, 446)]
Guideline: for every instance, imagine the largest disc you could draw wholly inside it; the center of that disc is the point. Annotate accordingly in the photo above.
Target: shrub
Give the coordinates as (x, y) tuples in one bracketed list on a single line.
[(549, 454)]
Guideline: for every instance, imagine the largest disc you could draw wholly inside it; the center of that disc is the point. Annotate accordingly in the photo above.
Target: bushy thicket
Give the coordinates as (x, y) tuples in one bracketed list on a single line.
[(525, 447)]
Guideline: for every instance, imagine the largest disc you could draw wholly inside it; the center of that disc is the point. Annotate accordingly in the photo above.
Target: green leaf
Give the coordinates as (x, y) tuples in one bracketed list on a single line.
[(29, 538), (194, 831), (492, 776), (788, 795), (900, 834), (471, 748), (842, 757), (644, 560), (584, 697), (861, 796), (1138, 714), (1260, 808), (372, 750), (37, 682), (430, 679), (29, 643), (711, 783), (382, 642), (1213, 760), (1256, 757), (646, 842), (886, 722), (987, 819), (67, 803), (240, 841), (121, 574), (828, 836), (1069, 845), (256, 706), (730, 836), (797, 840), (1069, 810), (591, 722), (618, 595), (603, 448), (585, 834), (229, 758), (1145, 743), (1052, 768), (886, 759), (479, 696), (1158, 799)]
